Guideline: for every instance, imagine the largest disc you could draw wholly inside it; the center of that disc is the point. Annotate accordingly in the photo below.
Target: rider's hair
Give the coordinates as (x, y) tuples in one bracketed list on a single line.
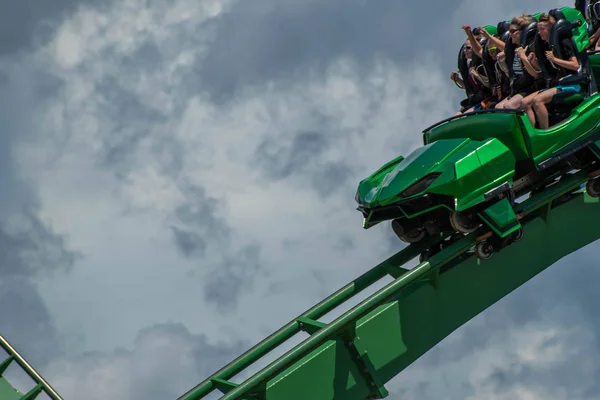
[(522, 20), (547, 18)]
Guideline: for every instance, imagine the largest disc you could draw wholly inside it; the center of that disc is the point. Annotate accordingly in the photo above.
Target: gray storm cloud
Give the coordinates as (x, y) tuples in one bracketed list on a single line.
[(242, 138)]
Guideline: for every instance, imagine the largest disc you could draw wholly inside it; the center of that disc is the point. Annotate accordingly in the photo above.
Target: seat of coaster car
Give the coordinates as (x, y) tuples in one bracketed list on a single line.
[(562, 104)]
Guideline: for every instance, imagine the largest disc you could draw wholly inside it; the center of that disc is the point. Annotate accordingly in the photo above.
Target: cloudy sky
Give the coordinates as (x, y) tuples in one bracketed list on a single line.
[(178, 182)]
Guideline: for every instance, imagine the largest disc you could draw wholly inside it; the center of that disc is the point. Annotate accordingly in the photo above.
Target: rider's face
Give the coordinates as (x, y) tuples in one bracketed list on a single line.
[(544, 30), (515, 33), (467, 49)]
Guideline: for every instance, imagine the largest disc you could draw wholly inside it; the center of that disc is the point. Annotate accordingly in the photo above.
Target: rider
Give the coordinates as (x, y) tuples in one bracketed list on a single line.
[(535, 103), (590, 9), (474, 87), (499, 86), (525, 73)]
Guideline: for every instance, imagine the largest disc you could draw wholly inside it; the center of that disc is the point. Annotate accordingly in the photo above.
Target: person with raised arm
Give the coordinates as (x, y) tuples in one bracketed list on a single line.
[(498, 83), (522, 72)]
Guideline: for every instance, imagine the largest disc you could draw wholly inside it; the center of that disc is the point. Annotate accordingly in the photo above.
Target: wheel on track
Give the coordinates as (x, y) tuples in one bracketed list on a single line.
[(462, 223), (413, 236), (484, 250), (424, 256), (593, 187), (517, 235), (397, 228)]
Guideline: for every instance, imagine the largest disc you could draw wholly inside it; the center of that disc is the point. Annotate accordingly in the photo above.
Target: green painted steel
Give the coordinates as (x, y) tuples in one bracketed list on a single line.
[(490, 165), (582, 122), (580, 35), (504, 126), (352, 357), (391, 266), (501, 218), (7, 392)]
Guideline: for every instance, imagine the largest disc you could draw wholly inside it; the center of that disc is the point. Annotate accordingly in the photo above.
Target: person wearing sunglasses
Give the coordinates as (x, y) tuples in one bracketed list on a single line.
[(522, 74), (497, 81), (470, 78), (468, 53)]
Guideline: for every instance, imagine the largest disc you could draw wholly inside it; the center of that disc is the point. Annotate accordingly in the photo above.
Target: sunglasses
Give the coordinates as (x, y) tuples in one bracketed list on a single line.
[(468, 47), (492, 49)]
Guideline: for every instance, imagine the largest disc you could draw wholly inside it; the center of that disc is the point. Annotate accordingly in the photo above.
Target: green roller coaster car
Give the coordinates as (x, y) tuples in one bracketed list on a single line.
[(474, 166)]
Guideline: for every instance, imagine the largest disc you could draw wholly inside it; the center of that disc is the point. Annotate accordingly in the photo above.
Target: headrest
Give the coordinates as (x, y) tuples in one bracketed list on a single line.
[(505, 37), (562, 29), (557, 14), (594, 10), (502, 27), (528, 34)]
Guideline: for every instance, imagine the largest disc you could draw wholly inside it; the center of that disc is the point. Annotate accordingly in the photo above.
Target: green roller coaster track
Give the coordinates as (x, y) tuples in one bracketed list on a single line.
[(7, 392), (356, 354)]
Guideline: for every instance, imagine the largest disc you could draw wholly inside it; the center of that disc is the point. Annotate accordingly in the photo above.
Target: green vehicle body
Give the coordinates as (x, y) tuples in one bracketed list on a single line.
[(478, 164)]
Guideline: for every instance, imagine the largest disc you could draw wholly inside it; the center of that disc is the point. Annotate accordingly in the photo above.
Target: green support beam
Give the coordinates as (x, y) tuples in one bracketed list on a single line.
[(7, 391), (389, 266), (352, 357)]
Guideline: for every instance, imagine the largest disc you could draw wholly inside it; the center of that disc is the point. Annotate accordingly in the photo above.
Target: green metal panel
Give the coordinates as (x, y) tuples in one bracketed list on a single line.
[(391, 266), (501, 218), (580, 34), (330, 369), (7, 392), (421, 162), (507, 127), (496, 166), (467, 170), (466, 164), (582, 122)]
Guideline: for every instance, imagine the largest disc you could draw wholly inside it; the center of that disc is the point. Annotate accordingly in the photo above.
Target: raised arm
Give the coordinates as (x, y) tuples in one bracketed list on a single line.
[(475, 45), (497, 41)]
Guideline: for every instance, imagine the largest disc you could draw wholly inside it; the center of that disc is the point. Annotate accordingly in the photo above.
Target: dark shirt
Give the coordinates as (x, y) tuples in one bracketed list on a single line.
[(555, 72), (524, 80)]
